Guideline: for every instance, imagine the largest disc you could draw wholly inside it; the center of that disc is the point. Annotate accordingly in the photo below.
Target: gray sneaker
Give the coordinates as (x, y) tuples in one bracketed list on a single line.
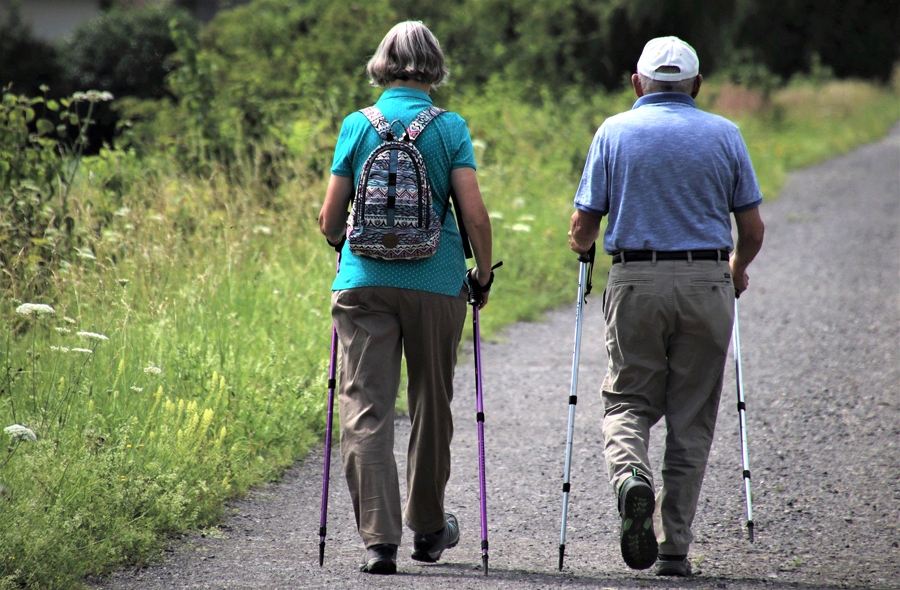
[(673, 565), (428, 548), (380, 559)]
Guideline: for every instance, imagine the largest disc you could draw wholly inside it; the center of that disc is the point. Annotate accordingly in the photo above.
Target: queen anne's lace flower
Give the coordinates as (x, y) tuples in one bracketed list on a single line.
[(152, 370), (84, 350), (34, 309), (19, 432), (92, 336)]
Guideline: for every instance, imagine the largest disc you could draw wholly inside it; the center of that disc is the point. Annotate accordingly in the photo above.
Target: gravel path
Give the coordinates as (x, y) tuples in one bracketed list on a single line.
[(820, 329)]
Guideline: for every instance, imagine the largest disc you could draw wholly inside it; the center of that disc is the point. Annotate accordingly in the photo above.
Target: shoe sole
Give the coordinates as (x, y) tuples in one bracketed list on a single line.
[(638, 542), (425, 557), (384, 567)]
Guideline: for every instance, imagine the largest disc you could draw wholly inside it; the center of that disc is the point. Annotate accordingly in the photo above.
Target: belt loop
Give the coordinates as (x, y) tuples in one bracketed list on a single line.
[(653, 258), (718, 256), (690, 257), (622, 257)]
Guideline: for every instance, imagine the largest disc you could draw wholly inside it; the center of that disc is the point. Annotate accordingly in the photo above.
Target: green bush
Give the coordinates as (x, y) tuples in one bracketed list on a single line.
[(25, 62), (125, 51), (38, 163)]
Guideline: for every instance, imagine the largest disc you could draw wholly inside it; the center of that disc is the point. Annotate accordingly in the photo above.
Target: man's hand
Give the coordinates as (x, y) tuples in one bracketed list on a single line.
[(739, 277), (584, 230)]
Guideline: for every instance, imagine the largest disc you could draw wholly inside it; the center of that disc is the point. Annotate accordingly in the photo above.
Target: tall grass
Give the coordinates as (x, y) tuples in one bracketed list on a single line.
[(204, 312)]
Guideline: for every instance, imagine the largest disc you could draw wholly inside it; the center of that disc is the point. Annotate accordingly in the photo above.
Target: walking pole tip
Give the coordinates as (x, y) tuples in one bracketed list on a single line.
[(321, 553), (750, 529), (562, 553)]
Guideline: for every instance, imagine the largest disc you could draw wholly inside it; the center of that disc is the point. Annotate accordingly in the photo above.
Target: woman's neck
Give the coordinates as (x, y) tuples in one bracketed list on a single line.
[(414, 84)]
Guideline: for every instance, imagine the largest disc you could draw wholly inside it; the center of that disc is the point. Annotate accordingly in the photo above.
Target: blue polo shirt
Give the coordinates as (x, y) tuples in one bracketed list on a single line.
[(667, 176), (445, 145)]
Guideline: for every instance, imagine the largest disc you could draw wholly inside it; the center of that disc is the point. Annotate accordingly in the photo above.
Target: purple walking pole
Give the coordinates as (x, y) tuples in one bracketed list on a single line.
[(332, 368), (475, 298), (480, 418)]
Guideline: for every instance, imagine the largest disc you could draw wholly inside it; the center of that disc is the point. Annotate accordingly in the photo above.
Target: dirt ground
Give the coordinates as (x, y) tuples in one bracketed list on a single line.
[(820, 332)]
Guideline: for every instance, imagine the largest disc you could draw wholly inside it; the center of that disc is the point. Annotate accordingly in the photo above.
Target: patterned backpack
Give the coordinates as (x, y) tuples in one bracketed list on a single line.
[(392, 217)]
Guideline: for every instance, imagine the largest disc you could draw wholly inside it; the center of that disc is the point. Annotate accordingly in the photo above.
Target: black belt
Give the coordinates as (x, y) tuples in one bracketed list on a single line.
[(645, 255)]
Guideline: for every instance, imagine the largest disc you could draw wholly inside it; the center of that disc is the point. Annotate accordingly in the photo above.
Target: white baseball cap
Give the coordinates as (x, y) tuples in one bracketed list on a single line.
[(668, 51)]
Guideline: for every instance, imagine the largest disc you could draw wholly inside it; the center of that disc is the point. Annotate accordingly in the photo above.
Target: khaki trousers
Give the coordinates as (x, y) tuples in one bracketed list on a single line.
[(668, 327), (374, 325)]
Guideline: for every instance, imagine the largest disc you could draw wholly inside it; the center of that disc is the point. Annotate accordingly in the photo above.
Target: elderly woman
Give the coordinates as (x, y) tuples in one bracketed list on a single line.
[(417, 308)]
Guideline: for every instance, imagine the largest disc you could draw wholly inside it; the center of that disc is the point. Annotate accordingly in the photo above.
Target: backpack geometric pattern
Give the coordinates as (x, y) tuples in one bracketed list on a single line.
[(392, 216)]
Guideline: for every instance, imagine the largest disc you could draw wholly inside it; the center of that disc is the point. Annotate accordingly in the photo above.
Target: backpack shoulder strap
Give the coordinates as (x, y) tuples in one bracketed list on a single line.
[(421, 121), (376, 118)]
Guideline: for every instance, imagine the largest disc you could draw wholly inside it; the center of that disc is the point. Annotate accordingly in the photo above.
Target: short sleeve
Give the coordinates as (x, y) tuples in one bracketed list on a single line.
[(342, 165), (592, 193), (464, 154), (747, 193)]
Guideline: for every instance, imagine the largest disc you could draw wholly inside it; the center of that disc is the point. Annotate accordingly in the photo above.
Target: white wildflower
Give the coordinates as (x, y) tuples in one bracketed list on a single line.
[(262, 229), (63, 330), (68, 320), (526, 217), (84, 350), (518, 202), (92, 96), (152, 370), (479, 144), (92, 336), (34, 309), (22, 433), (136, 388), (83, 253), (59, 348), (495, 215), (520, 227)]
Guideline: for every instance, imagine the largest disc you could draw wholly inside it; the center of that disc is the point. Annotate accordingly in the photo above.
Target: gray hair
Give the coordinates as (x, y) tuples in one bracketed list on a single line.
[(650, 86), (408, 52)]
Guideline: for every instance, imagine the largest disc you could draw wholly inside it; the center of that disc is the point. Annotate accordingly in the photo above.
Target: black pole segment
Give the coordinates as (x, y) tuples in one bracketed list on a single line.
[(479, 417), (321, 553), (484, 559), (573, 400), (562, 552), (750, 529)]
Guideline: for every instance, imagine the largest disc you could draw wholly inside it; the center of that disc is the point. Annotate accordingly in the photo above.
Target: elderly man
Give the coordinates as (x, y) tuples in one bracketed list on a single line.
[(668, 177)]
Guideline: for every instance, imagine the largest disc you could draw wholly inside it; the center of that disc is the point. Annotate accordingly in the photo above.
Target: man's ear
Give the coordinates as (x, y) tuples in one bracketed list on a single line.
[(697, 82), (636, 83)]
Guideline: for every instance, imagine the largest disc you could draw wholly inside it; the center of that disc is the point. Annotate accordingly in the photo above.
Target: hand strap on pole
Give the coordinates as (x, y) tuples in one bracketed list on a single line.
[(588, 258)]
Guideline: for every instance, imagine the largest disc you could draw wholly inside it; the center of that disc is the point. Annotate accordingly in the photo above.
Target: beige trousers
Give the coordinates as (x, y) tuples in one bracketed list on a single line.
[(668, 327), (375, 325)]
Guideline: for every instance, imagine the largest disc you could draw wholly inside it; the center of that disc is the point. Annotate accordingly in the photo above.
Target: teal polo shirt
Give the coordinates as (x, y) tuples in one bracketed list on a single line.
[(668, 176), (445, 145)]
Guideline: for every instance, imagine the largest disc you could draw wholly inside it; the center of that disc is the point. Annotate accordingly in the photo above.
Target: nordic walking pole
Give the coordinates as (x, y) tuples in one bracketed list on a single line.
[(584, 288), (742, 409), (332, 368), (475, 293)]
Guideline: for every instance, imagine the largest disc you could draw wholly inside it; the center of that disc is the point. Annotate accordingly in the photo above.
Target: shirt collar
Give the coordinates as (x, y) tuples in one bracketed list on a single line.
[(405, 92), (665, 97)]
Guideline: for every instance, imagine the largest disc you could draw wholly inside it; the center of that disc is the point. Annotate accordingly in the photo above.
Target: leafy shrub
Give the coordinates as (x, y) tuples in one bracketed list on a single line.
[(125, 52), (25, 62), (38, 162)]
